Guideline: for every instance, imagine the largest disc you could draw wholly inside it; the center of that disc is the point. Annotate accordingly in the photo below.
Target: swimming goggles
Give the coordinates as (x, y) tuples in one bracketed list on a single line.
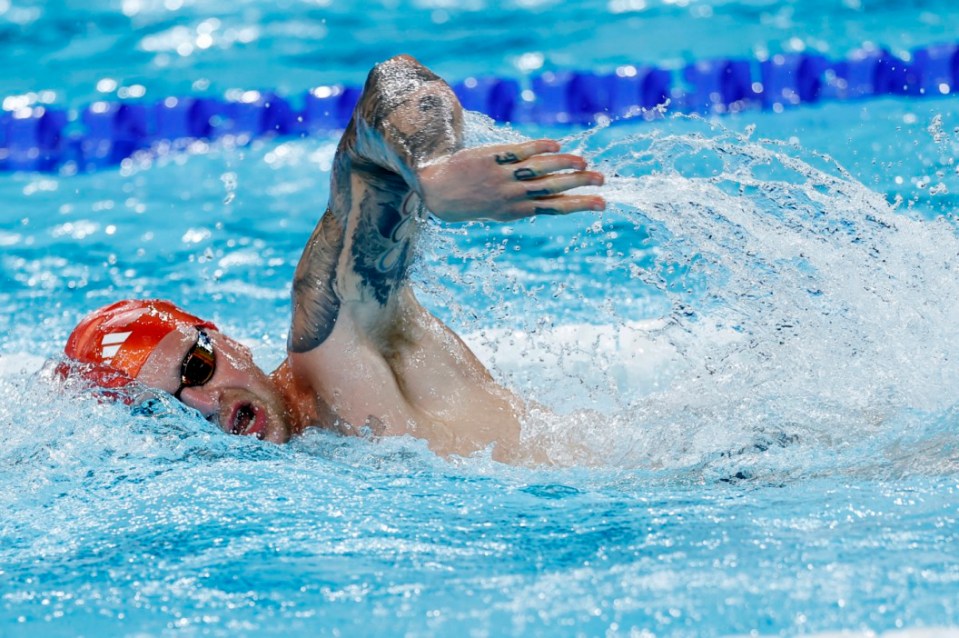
[(199, 364)]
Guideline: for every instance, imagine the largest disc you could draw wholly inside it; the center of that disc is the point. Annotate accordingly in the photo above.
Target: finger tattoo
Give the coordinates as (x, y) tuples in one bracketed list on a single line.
[(539, 210), (506, 158), (523, 174), (543, 192)]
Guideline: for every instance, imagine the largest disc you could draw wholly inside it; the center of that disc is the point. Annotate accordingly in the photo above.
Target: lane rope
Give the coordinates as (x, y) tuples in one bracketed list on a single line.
[(104, 133)]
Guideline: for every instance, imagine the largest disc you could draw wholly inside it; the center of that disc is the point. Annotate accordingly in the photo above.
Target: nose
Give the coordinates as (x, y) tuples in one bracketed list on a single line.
[(203, 399)]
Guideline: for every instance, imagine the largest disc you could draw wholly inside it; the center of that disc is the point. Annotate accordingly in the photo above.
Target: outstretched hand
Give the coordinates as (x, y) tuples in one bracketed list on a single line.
[(507, 182)]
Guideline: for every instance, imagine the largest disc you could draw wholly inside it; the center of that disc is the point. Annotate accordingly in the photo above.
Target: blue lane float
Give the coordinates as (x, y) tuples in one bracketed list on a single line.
[(32, 139), (327, 108), (717, 86), (496, 97), (789, 80), (937, 69), (103, 134)]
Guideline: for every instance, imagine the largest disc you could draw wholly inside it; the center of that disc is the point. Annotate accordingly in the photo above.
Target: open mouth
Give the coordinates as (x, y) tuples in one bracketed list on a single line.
[(246, 420)]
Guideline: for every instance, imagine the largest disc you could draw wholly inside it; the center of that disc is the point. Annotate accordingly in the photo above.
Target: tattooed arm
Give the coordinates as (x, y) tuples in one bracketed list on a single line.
[(360, 343), (403, 147), (360, 250)]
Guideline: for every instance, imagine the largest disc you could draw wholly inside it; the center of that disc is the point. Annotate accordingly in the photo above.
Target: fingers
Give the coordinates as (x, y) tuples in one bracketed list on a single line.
[(560, 182), (535, 168), (543, 164), (559, 205), (529, 162), (516, 153)]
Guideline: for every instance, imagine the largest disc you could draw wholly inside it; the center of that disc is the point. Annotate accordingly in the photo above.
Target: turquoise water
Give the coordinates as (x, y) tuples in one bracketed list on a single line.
[(752, 356)]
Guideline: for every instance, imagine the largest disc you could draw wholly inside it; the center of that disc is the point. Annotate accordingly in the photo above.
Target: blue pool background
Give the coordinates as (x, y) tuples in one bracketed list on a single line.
[(804, 484)]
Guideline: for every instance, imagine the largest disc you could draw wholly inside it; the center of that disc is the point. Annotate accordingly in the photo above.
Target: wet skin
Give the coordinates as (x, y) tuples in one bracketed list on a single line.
[(239, 398), (363, 354)]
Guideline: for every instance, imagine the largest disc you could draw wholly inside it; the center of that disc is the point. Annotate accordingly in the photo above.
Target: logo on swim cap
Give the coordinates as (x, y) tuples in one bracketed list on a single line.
[(120, 337), (110, 344)]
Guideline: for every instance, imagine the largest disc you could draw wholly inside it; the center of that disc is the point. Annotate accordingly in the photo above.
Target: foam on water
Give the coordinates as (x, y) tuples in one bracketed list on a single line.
[(739, 295), (805, 312)]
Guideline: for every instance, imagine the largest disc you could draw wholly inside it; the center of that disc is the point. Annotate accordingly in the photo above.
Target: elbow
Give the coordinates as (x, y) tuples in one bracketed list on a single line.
[(401, 63), (389, 83), (412, 98), (404, 59), (397, 78)]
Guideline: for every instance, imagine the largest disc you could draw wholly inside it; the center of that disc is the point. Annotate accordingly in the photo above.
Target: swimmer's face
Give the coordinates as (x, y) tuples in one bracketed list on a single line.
[(238, 396)]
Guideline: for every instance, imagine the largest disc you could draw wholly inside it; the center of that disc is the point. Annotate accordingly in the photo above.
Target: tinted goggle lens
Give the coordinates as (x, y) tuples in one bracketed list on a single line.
[(199, 364)]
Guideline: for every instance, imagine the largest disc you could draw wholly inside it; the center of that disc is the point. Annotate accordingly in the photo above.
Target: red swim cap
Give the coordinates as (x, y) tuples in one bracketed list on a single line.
[(120, 337)]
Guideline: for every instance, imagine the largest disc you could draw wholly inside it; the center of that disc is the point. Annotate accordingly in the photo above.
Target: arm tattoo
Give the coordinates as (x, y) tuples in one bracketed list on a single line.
[(382, 244), (506, 158), (316, 302), (361, 249)]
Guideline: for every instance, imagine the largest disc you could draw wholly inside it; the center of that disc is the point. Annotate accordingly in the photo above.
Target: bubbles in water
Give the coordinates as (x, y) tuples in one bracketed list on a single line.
[(740, 299), (935, 129), (229, 184)]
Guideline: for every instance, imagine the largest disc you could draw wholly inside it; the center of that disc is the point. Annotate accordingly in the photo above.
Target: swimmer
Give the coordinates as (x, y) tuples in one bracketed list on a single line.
[(362, 354)]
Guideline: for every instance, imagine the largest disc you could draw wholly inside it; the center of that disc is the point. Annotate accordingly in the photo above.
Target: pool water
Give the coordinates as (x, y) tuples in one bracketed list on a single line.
[(750, 359)]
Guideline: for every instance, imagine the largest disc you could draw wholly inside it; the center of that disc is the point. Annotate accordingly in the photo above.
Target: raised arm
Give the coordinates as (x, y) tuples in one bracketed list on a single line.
[(402, 149), (361, 247)]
